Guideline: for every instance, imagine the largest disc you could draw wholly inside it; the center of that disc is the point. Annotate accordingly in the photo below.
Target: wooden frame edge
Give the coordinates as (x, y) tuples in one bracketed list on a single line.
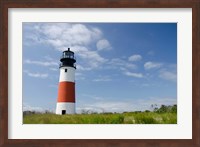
[(5, 4)]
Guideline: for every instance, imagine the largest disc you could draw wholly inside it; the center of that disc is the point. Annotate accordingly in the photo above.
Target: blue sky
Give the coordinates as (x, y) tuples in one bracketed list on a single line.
[(120, 66)]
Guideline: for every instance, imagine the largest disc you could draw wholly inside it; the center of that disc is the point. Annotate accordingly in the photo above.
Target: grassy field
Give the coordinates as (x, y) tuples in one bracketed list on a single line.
[(116, 118)]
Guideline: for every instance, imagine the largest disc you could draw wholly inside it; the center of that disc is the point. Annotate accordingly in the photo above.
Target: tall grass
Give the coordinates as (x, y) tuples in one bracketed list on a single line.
[(117, 118)]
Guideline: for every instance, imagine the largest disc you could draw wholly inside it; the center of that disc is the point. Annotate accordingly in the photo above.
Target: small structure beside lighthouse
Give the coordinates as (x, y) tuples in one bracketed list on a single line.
[(66, 89)]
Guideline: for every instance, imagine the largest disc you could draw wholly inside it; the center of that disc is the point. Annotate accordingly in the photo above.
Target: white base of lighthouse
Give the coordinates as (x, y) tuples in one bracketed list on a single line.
[(65, 108)]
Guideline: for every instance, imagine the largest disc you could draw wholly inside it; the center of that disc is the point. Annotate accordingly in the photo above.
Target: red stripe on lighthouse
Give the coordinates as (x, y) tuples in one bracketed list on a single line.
[(66, 92)]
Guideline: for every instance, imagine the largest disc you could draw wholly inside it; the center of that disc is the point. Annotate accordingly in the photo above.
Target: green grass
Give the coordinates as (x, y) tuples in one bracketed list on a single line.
[(117, 118)]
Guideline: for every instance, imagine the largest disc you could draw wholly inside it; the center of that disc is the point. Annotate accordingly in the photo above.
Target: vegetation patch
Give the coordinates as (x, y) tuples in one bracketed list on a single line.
[(163, 115)]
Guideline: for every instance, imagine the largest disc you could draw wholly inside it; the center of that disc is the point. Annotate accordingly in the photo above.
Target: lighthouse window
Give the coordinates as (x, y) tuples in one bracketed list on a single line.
[(65, 70)]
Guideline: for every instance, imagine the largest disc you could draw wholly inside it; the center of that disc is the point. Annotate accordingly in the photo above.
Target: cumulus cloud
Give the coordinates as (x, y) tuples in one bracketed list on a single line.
[(130, 66), (27, 107), (92, 56), (117, 62), (79, 37), (168, 74), (135, 58), (120, 63), (41, 63), (103, 45), (36, 75), (54, 69), (62, 35), (132, 74), (79, 76), (151, 65), (111, 106), (126, 105), (48, 58), (82, 68), (65, 34), (89, 59), (102, 79)]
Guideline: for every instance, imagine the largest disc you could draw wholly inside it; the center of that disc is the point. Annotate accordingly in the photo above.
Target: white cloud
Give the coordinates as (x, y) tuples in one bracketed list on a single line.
[(92, 56), (53, 69), (103, 45), (36, 75), (61, 35), (158, 100), (41, 63), (135, 58), (79, 37), (102, 79), (52, 30), (168, 75), (92, 96), (80, 78), (108, 105), (119, 63), (82, 68), (113, 106), (130, 66), (131, 74), (151, 65), (90, 59), (27, 107), (78, 74), (48, 58)]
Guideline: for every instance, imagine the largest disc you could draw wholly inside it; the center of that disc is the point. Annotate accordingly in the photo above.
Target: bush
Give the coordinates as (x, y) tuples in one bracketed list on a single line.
[(166, 109)]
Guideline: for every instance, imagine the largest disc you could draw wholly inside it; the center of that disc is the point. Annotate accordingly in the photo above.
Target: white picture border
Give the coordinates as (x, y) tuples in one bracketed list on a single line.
[(181, 130)]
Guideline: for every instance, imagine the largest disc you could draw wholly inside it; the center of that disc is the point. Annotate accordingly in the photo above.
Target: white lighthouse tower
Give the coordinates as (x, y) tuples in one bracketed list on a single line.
[(66, 89)]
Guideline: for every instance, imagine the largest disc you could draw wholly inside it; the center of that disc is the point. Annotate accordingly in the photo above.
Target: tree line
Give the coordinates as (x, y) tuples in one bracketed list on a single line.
[(154, 108)]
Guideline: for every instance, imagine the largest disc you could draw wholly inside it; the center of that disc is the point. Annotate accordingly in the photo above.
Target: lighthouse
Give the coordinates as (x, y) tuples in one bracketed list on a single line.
[(66, 88)]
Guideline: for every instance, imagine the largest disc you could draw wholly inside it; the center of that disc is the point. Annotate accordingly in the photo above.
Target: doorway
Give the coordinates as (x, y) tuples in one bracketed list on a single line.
[(63, 112)]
